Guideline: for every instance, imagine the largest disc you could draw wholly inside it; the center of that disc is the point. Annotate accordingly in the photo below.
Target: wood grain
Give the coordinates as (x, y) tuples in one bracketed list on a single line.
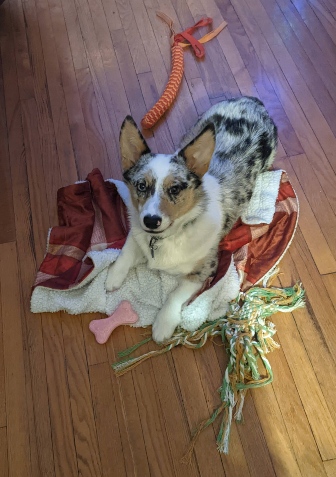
[(330, 468), (15, 383), (309, 226), (7, 224), (84, 427), (109, 438), (3, 453)]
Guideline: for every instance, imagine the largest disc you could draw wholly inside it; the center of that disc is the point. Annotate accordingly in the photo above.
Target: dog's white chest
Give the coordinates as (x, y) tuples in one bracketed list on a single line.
[(180, 254)]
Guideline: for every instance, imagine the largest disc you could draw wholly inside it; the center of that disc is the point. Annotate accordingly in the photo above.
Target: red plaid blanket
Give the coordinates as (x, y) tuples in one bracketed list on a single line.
[(92, 216)]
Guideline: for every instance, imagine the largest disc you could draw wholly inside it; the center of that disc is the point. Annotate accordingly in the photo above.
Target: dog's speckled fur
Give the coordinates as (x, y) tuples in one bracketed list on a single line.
[(196, 194)]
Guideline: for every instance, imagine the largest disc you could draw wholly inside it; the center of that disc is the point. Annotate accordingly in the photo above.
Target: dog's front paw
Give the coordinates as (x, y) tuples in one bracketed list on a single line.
[(114, 279), (164, 325)]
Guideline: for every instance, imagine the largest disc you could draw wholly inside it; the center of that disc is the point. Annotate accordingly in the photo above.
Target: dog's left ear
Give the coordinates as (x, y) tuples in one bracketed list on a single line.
[(199, 152), (132, 143)]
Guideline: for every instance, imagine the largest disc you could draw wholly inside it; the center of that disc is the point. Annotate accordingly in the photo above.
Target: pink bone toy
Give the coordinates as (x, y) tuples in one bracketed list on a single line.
[(103, 328)]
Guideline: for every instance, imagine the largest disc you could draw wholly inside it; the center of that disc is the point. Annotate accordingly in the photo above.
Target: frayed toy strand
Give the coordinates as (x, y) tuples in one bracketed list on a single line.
[(248, 335)]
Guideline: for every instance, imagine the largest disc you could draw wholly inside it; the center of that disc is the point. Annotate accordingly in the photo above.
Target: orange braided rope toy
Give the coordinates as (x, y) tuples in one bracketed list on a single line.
[(179, 41)]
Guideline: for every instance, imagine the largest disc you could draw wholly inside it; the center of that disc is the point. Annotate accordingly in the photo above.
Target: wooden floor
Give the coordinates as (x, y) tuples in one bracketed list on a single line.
[(70, 71)]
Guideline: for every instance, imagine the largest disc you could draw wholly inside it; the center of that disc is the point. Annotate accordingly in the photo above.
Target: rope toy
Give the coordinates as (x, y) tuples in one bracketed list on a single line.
[(178, 42), (248, 335)]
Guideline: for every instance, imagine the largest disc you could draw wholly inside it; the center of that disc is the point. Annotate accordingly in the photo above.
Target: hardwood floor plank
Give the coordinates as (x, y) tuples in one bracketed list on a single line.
[(325, 5), (109, 438), (3, 453), (101, 85), (274, 428), (135, 444), (15, 382), (125, 432), (107, 48), (297, 82), (293, 408), (327, 19), (49, 94), (231, 53), (74, 34), (112, 15), (214, 55), (111, 166), (321, 353), (330, 467), (95, 353), (151, 414), (304, 63), (320, 419), (315, 290), (7, 223), (315, 26), (59, 397), (70, 53), (94, 130), (208, 459), (318, 246), (317, 199), (3, 417), (167, 409), (136, 101), (259, 76), (199, 95), (309, 44), (199, 382), (84, 427), (330, 284), (40, 436), (177, 429), (42, 185), (24, 73), (129, 26)]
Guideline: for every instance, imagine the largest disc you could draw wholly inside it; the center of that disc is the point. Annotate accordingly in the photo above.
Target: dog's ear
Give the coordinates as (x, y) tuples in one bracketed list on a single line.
[(132, 143), (199, 152)]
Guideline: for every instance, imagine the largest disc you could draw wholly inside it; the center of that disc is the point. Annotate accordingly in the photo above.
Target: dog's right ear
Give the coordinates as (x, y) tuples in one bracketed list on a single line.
[(132, 143)]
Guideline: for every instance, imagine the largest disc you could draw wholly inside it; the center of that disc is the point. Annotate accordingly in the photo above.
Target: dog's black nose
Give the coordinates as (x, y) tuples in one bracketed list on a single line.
[(152, 221)]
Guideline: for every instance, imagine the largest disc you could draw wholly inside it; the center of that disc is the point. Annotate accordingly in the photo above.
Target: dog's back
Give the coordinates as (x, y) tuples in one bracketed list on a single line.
[(246, 139)]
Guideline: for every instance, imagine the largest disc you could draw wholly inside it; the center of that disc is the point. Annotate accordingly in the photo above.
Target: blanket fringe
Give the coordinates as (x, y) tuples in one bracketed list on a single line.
[(248, 335)]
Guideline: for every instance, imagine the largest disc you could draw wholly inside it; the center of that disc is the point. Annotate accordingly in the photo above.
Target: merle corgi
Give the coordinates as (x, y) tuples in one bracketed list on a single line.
[(183, 204)]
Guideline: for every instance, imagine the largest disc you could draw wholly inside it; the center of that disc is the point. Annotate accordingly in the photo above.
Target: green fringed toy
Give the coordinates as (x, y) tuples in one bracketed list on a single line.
[(248, 334)]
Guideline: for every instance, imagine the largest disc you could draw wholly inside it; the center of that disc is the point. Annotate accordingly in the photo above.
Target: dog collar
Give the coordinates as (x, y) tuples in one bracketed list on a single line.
[(152, 244)]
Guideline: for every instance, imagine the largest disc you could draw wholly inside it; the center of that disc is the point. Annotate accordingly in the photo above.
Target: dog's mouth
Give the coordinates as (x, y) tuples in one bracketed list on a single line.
[(157, 232)]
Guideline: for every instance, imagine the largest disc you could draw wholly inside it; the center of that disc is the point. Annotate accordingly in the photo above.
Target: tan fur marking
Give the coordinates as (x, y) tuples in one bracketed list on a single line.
[(132, 145), (185, 201), (199, 153)]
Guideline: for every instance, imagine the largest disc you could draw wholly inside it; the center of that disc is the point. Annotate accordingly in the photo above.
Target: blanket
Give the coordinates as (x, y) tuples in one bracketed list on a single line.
[(93, 227)]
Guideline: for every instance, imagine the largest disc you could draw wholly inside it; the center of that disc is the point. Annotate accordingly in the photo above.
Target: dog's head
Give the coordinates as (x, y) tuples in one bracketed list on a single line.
[(165, 189)]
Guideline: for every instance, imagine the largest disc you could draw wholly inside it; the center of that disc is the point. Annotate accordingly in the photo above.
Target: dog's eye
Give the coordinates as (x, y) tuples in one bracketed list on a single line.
[(175, 190), (141, 186)]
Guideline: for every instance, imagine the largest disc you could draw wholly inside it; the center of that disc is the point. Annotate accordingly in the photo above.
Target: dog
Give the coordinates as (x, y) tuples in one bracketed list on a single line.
[(183, 204)]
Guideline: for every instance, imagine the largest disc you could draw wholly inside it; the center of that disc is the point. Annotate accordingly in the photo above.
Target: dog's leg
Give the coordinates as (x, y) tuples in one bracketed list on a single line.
[(170, 315), (130, 256)]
